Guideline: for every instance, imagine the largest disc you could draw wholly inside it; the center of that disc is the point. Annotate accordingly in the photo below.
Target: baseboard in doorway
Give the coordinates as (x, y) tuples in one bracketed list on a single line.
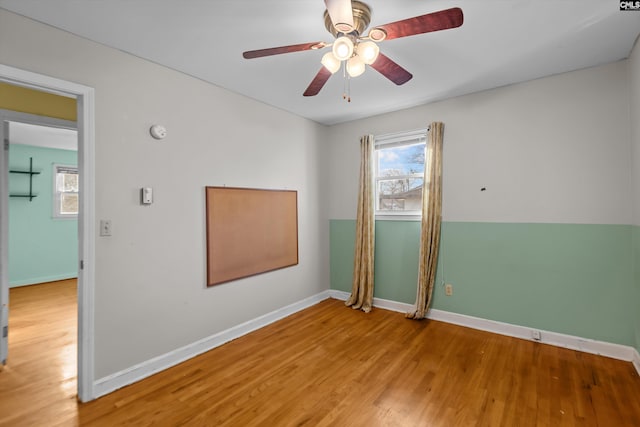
[(43, 279)]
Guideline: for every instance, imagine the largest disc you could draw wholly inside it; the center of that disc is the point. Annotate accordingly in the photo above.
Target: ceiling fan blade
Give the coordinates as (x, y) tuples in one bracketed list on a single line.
[(318, 82), (436, 21), (391, 70), (250, 54), (341, 14)]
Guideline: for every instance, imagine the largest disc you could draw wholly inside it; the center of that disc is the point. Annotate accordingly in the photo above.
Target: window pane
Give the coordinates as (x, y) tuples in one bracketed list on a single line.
[(69, 203), (69, 182), (65, 197), (402, 160), (400, 194)]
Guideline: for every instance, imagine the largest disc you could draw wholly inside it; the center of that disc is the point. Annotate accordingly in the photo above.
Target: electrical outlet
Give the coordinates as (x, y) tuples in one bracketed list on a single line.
[(535, 334), (448, 289), (105, 227)]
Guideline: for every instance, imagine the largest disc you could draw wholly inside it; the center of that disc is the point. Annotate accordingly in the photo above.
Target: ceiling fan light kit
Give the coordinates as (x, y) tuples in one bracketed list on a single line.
[(356, 55), (347, 21)]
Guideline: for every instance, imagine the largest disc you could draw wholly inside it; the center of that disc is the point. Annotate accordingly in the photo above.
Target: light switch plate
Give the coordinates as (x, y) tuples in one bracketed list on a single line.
[(105, 227), (146, 195)]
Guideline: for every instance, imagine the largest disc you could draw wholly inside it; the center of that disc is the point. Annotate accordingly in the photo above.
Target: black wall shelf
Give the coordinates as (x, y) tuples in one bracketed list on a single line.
[(29, 172)]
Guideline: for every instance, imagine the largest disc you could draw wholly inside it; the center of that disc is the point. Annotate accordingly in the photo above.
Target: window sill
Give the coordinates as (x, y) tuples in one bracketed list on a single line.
[(398, 217), (64, 218)]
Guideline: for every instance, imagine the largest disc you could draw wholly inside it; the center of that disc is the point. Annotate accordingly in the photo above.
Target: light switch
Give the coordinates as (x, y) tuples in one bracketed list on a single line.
[(146, 195), (105, 227)]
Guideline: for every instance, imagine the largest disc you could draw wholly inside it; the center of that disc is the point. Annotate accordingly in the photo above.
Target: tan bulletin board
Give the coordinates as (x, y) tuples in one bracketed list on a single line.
[(249, 231)]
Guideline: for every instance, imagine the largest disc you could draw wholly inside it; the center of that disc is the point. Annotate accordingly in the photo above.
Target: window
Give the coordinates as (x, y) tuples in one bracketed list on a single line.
[(65, 191), (399, 173)]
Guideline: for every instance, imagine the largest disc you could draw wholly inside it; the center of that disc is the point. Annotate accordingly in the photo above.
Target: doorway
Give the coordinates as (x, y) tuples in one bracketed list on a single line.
[(86, 219), (43, 199), (43, 253)]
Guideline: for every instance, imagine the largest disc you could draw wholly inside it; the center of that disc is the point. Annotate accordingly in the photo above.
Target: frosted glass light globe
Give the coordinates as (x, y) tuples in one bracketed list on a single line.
[(355, 66), (330, 62), (343, 48), (368, 51)]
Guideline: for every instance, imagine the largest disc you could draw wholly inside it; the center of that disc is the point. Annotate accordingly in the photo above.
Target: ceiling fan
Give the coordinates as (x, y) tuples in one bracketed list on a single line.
[(347, 20)]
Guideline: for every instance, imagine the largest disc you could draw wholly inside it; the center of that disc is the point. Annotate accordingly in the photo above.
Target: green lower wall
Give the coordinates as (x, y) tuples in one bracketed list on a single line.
[(41, 248), (567, 278)]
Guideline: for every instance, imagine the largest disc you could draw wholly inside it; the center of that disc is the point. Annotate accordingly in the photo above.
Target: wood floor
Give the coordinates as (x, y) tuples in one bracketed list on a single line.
[(325, 366), (38, 384)]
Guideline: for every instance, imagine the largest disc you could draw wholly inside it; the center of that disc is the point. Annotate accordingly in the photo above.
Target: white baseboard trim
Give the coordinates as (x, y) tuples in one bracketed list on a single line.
[(400, 307), (43, 279), (149, 367), (636, 361), (602, 348), (340, 295), (615, 351)]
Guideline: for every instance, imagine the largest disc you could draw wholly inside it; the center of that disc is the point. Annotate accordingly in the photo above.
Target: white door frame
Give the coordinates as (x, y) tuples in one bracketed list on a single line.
[(86, 216)]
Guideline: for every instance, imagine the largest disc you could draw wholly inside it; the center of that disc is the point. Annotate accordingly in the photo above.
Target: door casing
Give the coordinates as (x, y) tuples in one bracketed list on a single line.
[(85, 98)]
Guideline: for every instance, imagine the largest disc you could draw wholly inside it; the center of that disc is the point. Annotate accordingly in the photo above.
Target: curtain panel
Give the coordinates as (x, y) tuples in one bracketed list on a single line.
[(362, 287), (431, 221)]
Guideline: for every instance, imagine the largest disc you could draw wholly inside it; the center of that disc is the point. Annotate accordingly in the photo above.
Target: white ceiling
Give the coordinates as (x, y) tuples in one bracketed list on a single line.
[(501, 42), (43, 136)]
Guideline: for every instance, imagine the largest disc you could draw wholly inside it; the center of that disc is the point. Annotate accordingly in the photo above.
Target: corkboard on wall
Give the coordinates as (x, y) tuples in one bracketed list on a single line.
[(249, 231)]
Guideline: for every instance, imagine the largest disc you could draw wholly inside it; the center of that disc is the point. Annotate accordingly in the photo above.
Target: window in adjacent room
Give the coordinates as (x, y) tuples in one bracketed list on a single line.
[(65, 191), (399, 173)]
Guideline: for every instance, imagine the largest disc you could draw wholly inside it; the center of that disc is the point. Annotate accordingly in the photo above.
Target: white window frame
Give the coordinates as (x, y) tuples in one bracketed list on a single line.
[(418, 136), (56, 193)]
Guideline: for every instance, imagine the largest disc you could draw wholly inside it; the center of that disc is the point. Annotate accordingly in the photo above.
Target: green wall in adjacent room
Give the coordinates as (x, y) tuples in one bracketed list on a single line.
[(41, 248), (568, 278)]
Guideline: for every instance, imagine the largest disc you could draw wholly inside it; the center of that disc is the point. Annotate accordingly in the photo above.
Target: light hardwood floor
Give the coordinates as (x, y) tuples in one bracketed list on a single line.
[(38, 384), (327, 365)]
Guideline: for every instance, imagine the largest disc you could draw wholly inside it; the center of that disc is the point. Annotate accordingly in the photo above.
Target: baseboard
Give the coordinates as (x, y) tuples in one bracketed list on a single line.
[(602, 348), (636, 360), (145, 369), (615, 351), (400, 307), (340, 295), (43, 279)]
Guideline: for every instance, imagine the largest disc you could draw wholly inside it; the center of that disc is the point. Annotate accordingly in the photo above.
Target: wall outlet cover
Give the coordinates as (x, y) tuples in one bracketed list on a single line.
[(448, 289)]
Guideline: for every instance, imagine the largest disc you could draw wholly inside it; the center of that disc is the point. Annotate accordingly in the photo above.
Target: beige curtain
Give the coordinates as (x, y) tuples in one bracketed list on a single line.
[(431, 219), (362, 287)]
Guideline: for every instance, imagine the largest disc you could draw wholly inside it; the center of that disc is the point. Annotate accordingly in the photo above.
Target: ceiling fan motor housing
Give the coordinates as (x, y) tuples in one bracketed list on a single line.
[(361, 19)]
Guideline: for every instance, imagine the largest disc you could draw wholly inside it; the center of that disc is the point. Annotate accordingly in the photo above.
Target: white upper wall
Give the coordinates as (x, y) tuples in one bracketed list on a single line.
[(151, 296), (553, 150)]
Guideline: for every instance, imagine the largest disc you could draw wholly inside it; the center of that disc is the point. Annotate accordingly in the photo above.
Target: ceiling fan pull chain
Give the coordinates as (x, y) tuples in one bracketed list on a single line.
[(344, 81)]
